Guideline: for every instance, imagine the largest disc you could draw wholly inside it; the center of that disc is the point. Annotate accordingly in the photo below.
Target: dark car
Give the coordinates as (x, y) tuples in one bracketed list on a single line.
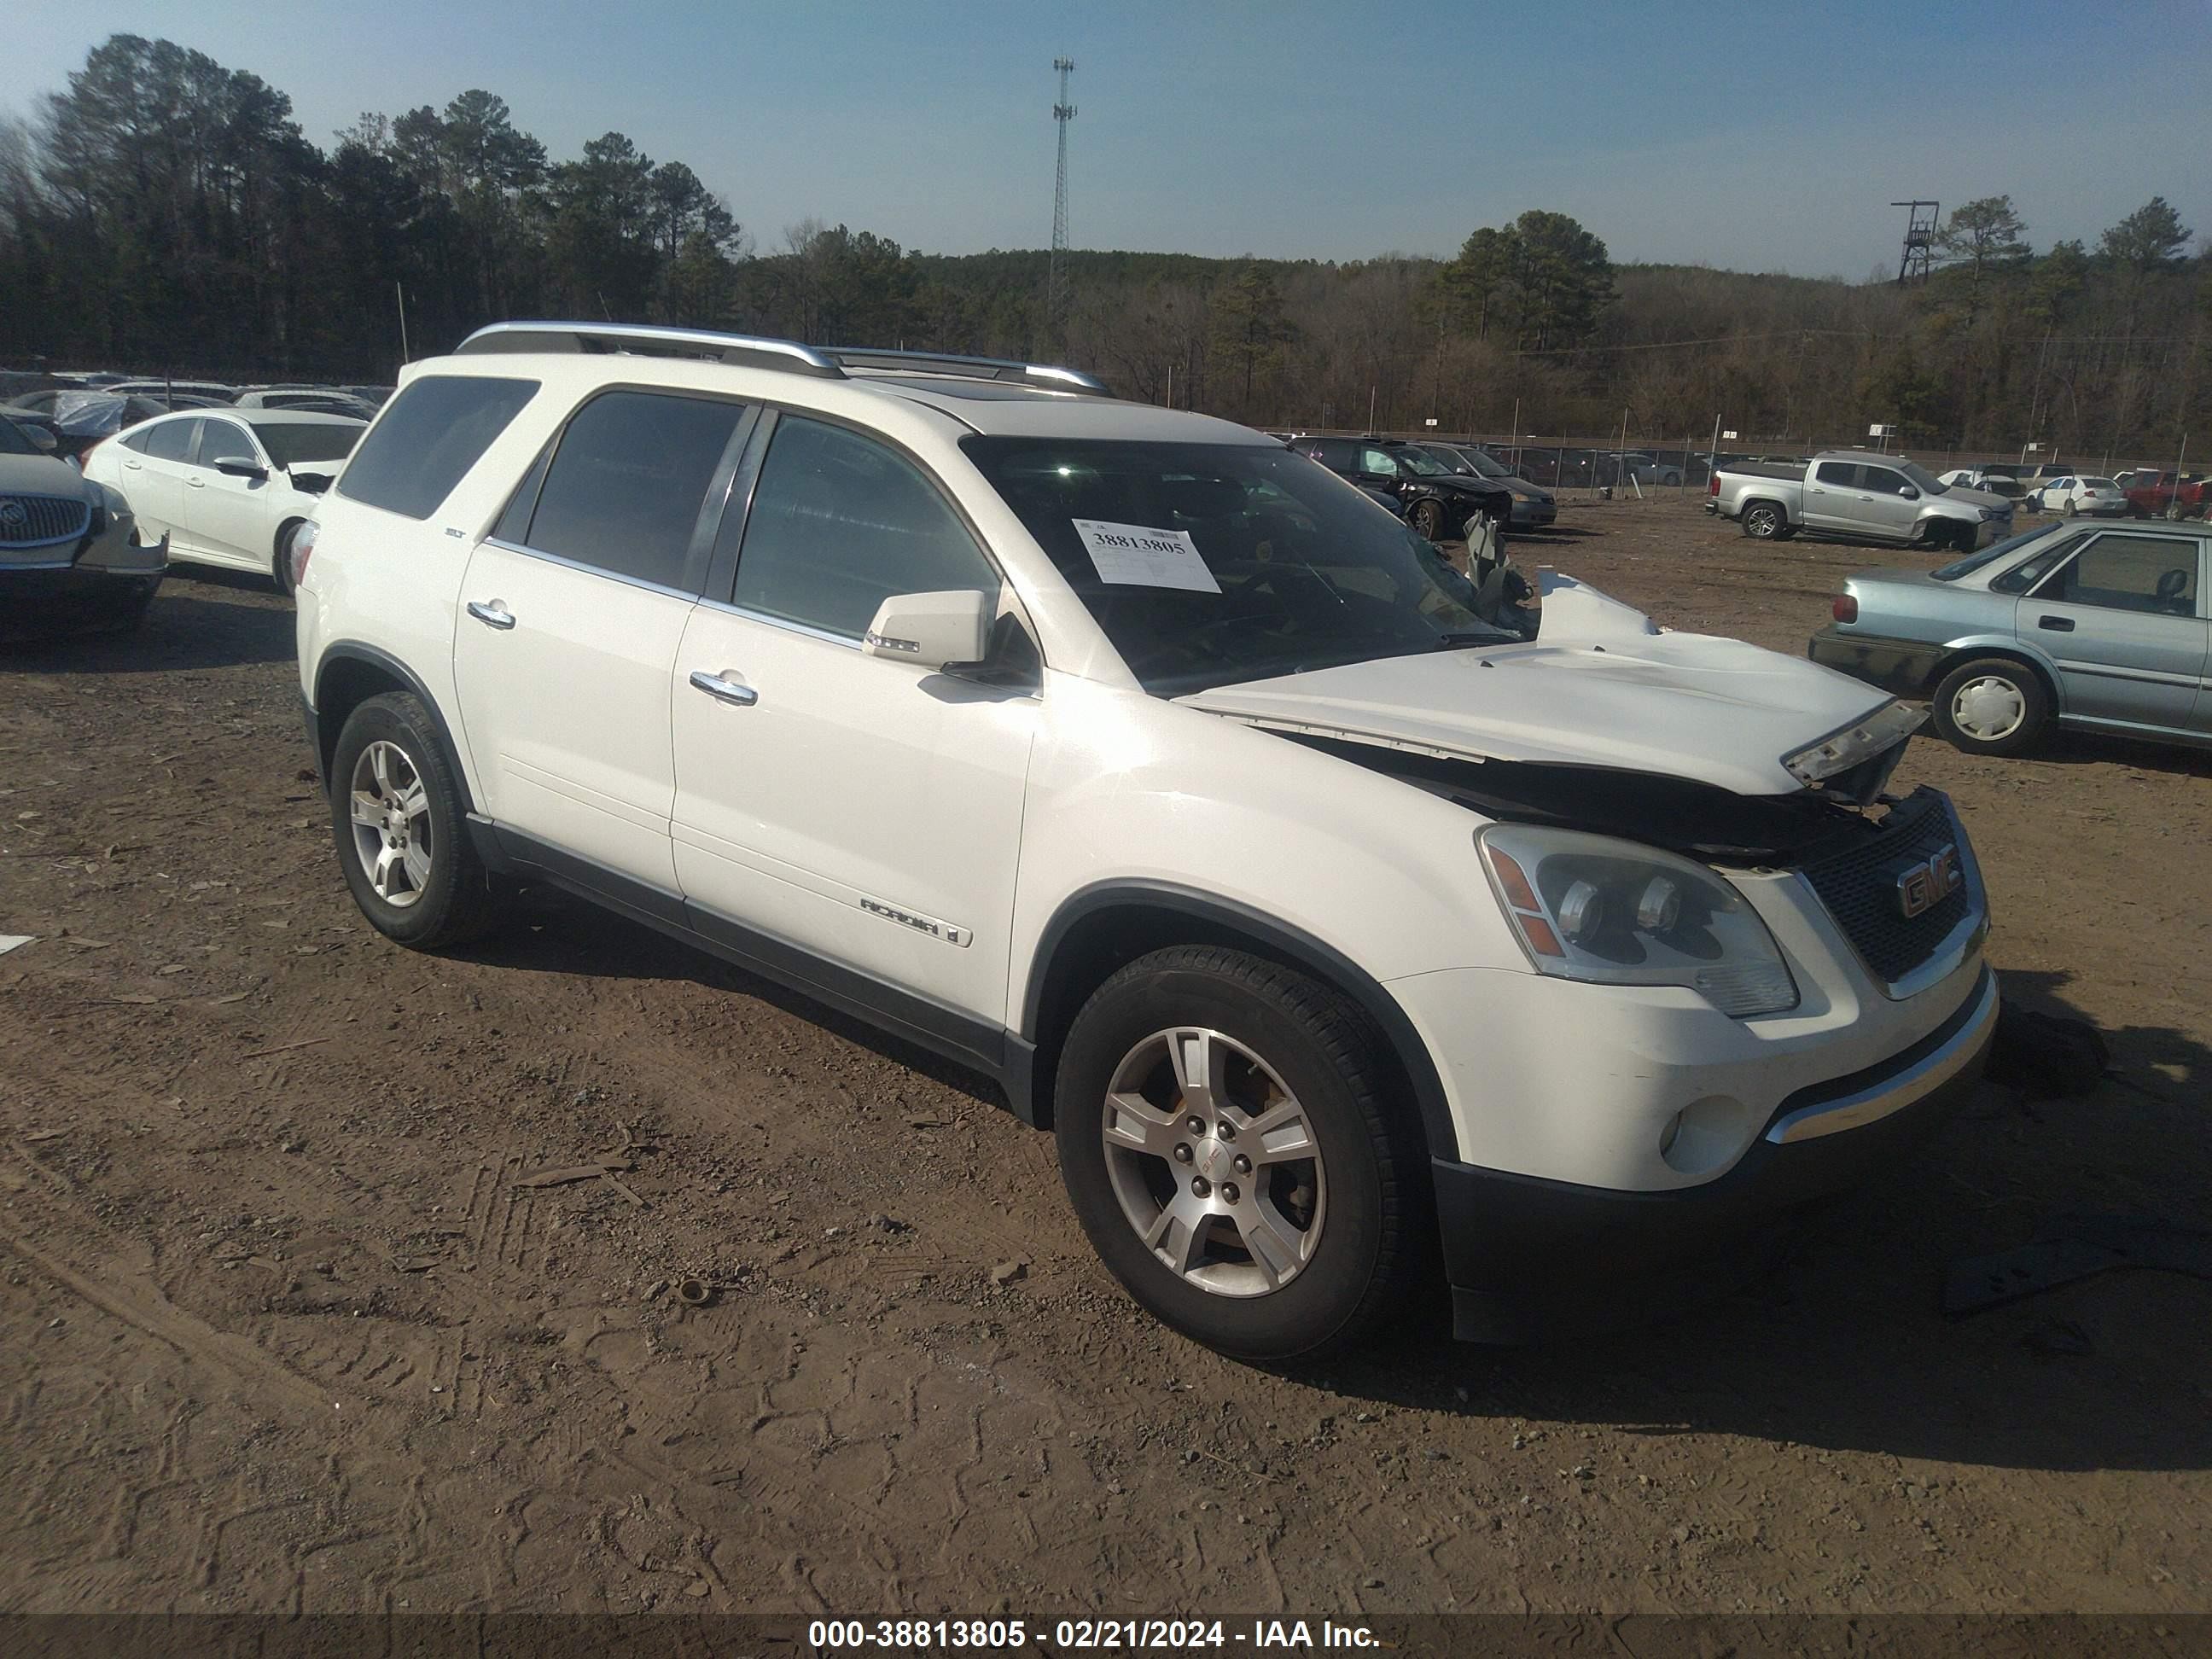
[(1437, 502), (70, 556), (1533, 505)]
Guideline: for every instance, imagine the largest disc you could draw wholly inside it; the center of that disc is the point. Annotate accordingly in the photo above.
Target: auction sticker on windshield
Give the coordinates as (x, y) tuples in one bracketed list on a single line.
[(1132, 555)]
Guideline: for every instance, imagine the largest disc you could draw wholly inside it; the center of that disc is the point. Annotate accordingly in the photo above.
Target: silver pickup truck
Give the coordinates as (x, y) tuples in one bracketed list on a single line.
[(1859, 496)]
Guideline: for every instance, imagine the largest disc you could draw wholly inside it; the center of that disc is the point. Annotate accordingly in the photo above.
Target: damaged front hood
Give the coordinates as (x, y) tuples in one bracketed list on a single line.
[(1600, 686)]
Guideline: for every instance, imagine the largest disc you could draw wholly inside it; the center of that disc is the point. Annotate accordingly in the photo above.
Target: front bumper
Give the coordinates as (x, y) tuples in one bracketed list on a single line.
[(1527, 1257), (1904, 668), (1528, 514), (107, 584)]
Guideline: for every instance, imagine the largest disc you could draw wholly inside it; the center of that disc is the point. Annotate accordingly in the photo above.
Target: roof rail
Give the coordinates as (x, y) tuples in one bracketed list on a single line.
[(823, 362), (974, 368), (641, 339)]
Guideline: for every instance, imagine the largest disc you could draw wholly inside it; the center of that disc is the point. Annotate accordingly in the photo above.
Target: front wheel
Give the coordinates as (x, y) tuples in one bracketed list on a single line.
[(397, 817), (1991, 706), (1230, 1143), (2173, 510), (1427, 519), (1763, 521)]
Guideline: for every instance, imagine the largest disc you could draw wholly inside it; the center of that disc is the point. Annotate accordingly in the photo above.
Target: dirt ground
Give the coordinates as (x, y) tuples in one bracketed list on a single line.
[(282, 1328)]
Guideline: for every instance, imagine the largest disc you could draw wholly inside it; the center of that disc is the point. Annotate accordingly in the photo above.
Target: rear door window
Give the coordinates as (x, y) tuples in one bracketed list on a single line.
[(431, 434), (170, 441), (1839, 474), (623, 489), (2152, 573)]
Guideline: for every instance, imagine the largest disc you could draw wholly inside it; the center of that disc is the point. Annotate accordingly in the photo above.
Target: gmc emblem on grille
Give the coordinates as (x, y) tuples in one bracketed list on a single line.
[(1925, 886)]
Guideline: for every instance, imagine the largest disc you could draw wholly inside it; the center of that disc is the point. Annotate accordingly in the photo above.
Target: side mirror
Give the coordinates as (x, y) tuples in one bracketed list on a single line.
[(932, 629), (1908, 492), (237, 468), (40, 437)]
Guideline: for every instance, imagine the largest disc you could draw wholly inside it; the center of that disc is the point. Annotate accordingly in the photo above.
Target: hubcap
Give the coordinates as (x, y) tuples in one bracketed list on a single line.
[(1213, 1162), (1988, 709), (391, 828)]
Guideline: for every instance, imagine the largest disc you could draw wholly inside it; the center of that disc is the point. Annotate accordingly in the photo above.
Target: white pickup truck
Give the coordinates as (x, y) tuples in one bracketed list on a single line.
[(1857, 494)]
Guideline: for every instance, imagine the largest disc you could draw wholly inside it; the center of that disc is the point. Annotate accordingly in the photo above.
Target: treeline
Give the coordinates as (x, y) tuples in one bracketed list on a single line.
[(165, 212)]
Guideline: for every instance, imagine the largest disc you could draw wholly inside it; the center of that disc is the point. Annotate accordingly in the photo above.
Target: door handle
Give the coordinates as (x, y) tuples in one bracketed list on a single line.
[(724, 688), (135, 466), (494, 615), (197, 483), (2056, 624)]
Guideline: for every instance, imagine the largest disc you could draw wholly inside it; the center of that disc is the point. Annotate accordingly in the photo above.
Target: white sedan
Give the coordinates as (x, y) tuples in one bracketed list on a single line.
[(228, 488), (2073, 497)]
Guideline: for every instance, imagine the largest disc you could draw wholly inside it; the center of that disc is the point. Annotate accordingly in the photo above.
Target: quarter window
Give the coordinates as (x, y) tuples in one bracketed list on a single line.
[(623, 491), (171, 441), (839, 523), (2153, 574), (431, 434)]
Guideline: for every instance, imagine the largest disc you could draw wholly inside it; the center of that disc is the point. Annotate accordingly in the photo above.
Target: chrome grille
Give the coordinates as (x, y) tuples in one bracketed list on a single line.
[(1859, 886), (37, 521)]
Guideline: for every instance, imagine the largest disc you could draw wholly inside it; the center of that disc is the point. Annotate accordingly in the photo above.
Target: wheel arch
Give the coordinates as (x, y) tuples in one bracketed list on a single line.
[(1744, 506), (348, 674), (1100, 928), (1960, 651)]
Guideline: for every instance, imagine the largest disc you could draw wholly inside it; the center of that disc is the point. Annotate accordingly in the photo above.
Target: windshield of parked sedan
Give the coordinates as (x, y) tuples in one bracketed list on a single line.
[(1486, 465), (293, 443), (12, 440), (2099, 483), (1208, 564), (1989, 554)]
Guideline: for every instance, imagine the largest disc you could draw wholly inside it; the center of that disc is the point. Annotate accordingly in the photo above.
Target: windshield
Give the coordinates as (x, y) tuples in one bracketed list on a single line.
[(290, 443), (1284, 566), (1921, 476), (1989, 554), (12, 440), (2099, 483), (1486, 464)]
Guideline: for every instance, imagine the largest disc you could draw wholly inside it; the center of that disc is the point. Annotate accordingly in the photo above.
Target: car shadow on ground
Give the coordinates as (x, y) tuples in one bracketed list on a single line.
[(1845, 1345), (210, 619), (2065, 747), (554, 932)]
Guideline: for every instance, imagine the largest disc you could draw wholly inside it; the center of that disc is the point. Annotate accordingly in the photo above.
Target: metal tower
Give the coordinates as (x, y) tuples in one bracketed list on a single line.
[(1919, 240), (1055, 295)]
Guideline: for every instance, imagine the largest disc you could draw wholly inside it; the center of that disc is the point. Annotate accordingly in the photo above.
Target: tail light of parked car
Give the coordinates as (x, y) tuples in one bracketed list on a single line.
[(303, 545), (1844, 607), (1713, 484)]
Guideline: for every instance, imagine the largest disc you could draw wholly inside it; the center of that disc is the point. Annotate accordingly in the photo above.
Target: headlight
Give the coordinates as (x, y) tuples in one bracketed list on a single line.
[(1615, 913)]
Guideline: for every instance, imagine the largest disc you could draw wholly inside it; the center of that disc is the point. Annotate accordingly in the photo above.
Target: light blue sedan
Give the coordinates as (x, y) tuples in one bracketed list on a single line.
[(2101, 628)]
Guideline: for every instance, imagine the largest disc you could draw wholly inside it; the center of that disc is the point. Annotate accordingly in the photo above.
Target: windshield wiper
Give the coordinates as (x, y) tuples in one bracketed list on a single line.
[(1465, 637)]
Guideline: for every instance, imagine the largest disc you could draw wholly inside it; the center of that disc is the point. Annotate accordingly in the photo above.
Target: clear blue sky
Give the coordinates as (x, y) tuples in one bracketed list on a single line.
[(1767, 137)]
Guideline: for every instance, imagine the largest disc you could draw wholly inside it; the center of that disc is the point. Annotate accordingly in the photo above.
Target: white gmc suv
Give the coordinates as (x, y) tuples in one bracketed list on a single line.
[(1159, 774)]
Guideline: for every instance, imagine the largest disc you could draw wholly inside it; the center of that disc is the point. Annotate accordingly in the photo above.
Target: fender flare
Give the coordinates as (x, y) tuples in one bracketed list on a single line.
[(355, 651), (1312, 956)]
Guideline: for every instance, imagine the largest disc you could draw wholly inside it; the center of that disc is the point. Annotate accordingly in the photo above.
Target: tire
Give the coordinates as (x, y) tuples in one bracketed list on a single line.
[(435, 892), (1343, 1234), (1427, 519), (2174, 511), (2072, 509), (280, 571), (1764, 521), (1973, 703)]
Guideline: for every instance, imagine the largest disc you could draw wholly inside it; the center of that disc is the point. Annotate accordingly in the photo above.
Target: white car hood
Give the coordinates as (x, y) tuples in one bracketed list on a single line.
[(1600, 686)]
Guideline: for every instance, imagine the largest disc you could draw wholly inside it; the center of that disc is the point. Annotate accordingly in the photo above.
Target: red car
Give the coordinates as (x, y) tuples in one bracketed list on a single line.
[(2157, 495)]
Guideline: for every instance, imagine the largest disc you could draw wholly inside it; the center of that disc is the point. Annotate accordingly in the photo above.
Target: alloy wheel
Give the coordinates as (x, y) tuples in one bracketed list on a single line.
[(392, 831), (1214, 1162)]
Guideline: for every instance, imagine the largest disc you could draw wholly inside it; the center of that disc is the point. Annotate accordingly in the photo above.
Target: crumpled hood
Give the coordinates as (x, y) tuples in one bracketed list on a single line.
[(1599, 687)]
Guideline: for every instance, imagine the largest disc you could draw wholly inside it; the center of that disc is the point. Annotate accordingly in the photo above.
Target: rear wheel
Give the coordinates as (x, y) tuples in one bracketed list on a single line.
[(397, 817), (1764, 521), (1991, 706), (1229, 1143), (2173, 510)]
